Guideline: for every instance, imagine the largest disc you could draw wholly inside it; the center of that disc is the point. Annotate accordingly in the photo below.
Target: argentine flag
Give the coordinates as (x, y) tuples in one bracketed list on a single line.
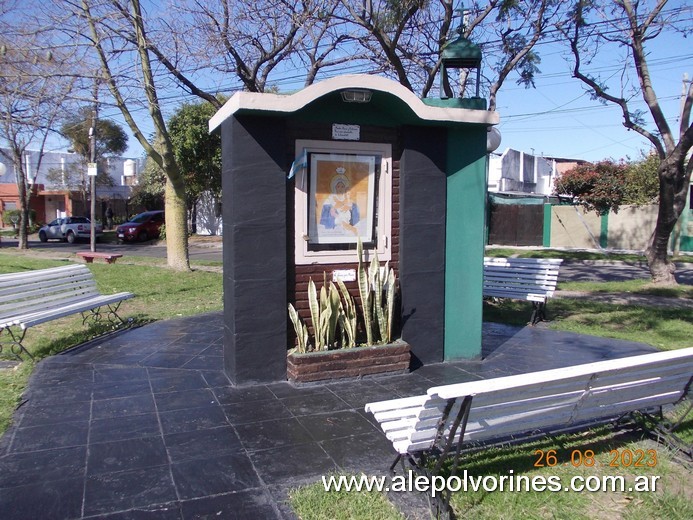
[(300, 163)]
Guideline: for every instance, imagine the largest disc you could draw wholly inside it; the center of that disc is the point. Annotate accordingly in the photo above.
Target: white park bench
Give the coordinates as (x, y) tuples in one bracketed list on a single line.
[(29, 298), (425, 430), (531, 279)]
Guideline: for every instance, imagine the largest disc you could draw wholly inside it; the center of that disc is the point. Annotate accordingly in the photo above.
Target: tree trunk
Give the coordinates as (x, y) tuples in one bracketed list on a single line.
[(23, 223), (176, 227), (661, 268), (23, 241), (672, 194)]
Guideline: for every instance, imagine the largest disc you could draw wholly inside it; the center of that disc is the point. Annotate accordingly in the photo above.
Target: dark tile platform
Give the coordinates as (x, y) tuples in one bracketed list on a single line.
[(146, 425)]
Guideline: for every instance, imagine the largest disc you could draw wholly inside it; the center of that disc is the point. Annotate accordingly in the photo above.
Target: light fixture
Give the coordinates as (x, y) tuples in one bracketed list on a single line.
[(493, 139), (356, 95)]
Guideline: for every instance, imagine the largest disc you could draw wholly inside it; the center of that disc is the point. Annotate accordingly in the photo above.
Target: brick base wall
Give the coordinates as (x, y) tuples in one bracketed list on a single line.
[(354, 362)]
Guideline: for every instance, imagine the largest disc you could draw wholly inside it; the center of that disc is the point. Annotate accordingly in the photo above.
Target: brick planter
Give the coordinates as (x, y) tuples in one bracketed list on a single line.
[(351, 362)]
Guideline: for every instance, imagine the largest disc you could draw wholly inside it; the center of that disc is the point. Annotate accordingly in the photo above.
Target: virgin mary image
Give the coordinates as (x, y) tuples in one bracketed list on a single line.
[(339, 211)]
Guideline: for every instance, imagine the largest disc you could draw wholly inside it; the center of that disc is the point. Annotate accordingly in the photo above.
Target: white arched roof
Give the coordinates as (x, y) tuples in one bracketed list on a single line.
[(278, 103)]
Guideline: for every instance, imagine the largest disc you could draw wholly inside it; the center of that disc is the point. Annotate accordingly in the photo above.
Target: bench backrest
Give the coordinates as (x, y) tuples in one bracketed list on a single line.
[(533, 279), (34, 291), (553, 398)]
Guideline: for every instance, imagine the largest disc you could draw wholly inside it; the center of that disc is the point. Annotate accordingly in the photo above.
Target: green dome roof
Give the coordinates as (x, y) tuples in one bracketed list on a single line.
[(461, 53)]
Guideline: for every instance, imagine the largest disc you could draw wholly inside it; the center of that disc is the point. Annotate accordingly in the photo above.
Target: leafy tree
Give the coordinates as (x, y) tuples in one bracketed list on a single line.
[(150, 190), (111, 140), (641, 185), (597, 187), (622, 29), (143, 55), (607, 185), (404, 38), (197, 151)]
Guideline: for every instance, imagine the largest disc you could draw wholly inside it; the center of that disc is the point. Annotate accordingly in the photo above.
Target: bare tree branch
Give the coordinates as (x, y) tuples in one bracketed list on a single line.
[(633, 28)]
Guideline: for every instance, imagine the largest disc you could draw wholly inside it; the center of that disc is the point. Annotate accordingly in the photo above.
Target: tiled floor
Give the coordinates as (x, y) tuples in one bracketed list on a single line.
[(146, 425)]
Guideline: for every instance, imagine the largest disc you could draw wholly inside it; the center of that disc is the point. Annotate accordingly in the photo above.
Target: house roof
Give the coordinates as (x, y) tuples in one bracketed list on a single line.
[(387, 90)]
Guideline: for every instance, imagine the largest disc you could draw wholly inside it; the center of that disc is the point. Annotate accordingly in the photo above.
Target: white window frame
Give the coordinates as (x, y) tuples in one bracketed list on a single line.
[(383, 235)]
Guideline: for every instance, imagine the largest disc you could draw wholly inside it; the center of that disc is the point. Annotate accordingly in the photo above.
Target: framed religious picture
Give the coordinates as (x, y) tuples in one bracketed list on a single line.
[(342, 192), (341, 197)]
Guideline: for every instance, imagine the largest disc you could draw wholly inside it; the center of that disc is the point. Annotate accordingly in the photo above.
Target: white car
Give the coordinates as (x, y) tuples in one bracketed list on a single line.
[(69, 229)]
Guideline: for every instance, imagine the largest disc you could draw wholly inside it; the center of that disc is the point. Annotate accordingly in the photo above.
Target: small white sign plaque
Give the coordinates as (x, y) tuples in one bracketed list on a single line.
[(346, 132), (91, 169), (345, 275)]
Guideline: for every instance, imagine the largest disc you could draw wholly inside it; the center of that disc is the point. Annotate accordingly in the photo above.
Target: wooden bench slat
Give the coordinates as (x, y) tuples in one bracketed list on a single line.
[(30, 293), (72, 306), (41, 274), (580, 407), (47, 302), (499, 427), (394, 404), (92, 303), (530, 279), (393, 415), (533, 378), (516, 405), (33, 297), (519, 260)]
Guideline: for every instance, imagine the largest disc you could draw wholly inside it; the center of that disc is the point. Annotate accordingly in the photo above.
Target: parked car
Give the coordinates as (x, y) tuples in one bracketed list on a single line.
[(69, 229), (142, 227)]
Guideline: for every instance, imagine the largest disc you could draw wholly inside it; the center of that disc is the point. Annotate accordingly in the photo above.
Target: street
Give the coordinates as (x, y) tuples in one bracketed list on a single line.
[(615, 271), (198, 250), (211, 250)]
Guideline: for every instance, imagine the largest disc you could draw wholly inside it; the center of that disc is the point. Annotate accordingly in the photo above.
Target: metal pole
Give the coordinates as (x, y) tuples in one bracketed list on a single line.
[(92, 146)]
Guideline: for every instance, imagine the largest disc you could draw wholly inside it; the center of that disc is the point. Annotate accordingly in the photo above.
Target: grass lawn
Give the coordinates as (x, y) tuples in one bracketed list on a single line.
[(598, 453), (159, 294), (573, 255), (666, 328), (637, 287)]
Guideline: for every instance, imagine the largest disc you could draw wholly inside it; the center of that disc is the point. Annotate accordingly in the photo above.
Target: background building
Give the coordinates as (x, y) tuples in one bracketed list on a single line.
[(61, 186)]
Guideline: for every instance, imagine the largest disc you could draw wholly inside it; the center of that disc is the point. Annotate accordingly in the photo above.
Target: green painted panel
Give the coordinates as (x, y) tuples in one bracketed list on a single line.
[(546, 239), (464, 254), (469, 103), (604, 233), (686, 244)]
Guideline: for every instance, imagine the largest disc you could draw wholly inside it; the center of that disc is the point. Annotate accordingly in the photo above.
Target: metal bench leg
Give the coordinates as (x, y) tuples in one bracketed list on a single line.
[(97, 315), (394, 464), (538, 313), (15, 343), (665, 433)]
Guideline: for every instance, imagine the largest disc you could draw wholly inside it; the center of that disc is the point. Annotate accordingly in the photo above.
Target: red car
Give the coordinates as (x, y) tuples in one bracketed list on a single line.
[(141, 227)]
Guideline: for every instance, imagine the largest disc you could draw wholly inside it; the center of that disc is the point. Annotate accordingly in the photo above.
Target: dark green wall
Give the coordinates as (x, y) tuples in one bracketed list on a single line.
[(464, 253)]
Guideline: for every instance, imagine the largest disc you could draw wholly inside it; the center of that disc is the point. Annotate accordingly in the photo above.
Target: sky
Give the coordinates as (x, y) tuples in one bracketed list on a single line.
[(557, 118)]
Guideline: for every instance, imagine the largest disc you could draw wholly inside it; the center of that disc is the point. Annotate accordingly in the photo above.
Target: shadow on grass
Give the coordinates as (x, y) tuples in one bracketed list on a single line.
[(79, 339), (666, 328)]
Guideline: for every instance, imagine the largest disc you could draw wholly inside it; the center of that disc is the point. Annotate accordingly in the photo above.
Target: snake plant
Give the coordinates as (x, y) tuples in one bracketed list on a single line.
[(333, 312), (334, 321), (377, 291), (301, 330), (347, 317)]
